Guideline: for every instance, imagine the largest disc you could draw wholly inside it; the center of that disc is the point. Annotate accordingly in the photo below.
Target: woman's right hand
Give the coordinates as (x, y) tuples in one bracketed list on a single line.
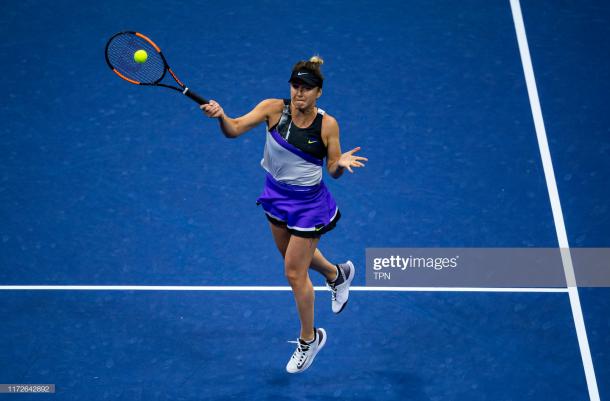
[(212, 109)]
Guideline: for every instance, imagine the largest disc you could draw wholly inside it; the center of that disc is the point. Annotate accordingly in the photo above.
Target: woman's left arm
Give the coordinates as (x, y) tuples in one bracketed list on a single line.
[(335, 161)]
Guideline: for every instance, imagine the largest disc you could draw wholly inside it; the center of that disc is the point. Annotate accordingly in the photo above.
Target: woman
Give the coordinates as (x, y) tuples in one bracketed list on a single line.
[(298, 205)]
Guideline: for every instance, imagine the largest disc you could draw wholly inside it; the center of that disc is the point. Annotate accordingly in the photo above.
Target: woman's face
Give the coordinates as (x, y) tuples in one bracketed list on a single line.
[(303, 96)]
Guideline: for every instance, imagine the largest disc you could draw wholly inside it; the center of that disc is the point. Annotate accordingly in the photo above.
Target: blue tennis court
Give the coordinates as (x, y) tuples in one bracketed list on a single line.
[(134, 195)]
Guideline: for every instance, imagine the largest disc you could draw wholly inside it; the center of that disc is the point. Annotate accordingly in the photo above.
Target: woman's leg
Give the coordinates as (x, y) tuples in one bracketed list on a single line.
[(320, 264), (281, 236), (295, 267), (297, 260)]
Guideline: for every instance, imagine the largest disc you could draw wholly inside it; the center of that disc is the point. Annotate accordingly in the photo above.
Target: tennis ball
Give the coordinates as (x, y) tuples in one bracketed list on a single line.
[(140, 56)]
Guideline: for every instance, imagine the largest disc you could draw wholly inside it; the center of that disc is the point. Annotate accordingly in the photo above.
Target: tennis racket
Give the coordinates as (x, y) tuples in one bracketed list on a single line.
[(120, 51)]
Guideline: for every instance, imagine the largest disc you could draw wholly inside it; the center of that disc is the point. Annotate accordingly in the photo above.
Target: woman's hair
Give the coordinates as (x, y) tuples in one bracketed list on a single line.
[(313, 65)]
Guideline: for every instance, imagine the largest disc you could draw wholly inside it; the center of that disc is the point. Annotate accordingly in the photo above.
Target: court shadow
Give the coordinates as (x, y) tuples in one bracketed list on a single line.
[(324, 385)]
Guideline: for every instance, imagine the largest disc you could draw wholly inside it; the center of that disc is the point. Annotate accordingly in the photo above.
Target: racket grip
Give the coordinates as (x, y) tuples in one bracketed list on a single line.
[(194, 96)]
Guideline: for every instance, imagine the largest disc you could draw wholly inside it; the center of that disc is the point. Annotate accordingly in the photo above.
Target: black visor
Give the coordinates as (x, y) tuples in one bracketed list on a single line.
[(305, 76)]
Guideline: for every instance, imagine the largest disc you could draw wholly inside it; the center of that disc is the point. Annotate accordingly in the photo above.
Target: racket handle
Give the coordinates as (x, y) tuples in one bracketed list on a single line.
[(194, 96)]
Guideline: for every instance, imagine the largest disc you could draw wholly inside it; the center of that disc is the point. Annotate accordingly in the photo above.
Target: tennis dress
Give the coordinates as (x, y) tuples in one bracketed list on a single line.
[(294, 194)]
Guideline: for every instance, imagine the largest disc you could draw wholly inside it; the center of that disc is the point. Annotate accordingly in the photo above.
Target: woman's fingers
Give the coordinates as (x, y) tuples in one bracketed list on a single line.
[(348, 161), (351, 152), (209, 105), (211, 109)]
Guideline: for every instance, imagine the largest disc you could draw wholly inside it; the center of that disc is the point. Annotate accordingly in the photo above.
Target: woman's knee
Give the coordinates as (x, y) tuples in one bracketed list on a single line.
[(295, 272)]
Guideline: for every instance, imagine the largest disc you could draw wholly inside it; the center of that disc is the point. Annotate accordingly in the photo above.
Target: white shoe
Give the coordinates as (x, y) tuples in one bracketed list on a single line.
[(340, 292), (305, 353)]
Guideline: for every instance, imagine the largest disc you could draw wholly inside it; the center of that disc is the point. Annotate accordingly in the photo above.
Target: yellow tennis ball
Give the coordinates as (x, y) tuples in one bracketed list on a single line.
[(140, 56)]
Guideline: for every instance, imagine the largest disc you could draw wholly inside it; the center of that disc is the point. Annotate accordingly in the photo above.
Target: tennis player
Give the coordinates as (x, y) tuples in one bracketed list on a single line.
[(298, 205)]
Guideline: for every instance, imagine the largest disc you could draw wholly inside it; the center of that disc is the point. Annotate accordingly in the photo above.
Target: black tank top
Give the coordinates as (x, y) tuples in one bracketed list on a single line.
[(309, 139)]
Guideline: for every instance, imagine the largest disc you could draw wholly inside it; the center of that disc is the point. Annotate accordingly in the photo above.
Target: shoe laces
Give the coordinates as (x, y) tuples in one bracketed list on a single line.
[(333, 290), (332, 287), (300, 352)]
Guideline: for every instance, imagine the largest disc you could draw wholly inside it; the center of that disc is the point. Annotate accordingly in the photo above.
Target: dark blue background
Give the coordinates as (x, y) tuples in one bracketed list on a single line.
[(102, 182)]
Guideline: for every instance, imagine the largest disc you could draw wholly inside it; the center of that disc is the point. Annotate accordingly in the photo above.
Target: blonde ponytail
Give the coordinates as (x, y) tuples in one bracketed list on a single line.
[(316, 60)]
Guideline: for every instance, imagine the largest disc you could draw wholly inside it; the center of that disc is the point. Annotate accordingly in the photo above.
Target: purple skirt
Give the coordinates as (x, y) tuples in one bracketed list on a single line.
[(304, 211)]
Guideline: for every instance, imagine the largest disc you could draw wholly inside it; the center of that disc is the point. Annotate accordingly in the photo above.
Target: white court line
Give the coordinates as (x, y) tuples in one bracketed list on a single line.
[(551, 184), (259, 288)]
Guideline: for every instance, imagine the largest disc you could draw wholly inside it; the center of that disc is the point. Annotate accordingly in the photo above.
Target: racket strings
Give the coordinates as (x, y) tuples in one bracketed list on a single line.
[(121, 51)]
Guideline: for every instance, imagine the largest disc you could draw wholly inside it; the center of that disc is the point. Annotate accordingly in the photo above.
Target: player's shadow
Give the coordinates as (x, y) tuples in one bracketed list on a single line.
[(329, 384)]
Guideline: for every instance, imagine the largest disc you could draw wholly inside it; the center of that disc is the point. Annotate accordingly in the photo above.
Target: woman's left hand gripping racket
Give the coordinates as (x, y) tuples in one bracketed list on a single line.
[(137, 59)]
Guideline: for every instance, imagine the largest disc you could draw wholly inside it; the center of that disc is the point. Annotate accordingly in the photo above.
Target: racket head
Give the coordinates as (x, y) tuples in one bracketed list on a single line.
[(120, 51)]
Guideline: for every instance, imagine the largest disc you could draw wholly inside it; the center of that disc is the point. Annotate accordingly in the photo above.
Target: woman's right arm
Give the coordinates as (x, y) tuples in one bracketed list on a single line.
[(234, 127)]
